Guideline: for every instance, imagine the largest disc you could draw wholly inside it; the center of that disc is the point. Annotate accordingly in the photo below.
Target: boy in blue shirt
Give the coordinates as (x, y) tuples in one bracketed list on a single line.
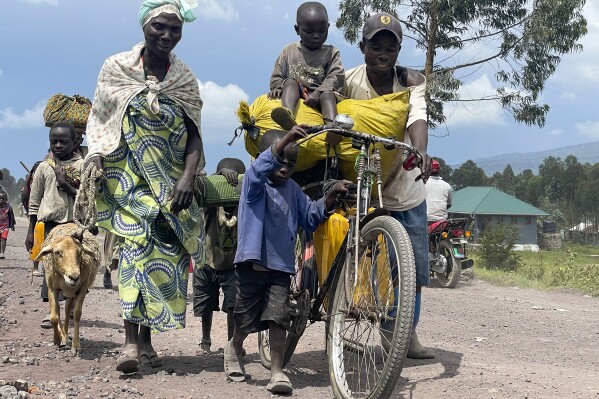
[(270, 210)]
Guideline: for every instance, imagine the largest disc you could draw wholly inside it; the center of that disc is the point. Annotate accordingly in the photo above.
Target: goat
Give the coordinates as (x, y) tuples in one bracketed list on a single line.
[(71, 257)]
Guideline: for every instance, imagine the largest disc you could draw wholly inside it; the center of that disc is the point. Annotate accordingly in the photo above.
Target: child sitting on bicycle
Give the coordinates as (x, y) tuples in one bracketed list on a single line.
[(309, 70), (270, 210)]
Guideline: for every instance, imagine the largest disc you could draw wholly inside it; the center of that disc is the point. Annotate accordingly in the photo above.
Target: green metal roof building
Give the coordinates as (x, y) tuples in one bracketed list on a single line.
[(489, 206)]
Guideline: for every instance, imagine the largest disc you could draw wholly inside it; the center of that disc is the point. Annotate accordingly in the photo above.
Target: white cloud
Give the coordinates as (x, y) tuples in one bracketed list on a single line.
[(30, 118), (220, 10), (38, 2), (475, 113), (579, 70), (568, 95), (589, 129), (555, 132), (218, 117)]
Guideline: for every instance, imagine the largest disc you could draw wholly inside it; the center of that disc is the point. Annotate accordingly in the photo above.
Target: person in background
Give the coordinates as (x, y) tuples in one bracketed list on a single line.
[(144, 130), (7, 222), (219, 267), (438, 195), (2, 189), (403, 195), (271, 209), (53, 189), (37, 244)]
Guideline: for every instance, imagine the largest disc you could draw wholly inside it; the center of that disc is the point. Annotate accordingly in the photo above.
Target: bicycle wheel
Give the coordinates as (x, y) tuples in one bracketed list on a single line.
[(371, 313), (453, 272), (264, 348)]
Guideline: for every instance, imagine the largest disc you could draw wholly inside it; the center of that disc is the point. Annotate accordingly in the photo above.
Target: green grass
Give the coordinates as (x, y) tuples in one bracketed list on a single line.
[(574, 267)]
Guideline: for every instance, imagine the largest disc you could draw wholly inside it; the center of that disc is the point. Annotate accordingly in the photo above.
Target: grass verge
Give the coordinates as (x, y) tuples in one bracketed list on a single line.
[(573, 267)]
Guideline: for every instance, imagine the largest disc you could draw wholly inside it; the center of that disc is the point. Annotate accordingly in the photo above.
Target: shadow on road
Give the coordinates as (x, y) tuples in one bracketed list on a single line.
[(93, 349), (451, 362), (99, 324)]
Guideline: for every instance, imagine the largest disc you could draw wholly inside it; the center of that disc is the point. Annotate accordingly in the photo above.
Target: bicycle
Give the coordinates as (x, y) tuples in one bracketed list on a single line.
[(372, 280)]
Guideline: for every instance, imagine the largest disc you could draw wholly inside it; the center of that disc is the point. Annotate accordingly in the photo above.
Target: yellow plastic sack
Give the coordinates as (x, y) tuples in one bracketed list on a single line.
[(384, 116), (38, 239), (328, 238)]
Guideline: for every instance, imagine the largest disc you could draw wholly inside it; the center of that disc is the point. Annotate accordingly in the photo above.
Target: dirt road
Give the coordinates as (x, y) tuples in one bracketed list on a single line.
[(490, 342)]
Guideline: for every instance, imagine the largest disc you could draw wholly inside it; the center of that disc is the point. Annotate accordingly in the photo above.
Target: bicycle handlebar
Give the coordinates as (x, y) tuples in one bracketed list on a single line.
[(411, 162)]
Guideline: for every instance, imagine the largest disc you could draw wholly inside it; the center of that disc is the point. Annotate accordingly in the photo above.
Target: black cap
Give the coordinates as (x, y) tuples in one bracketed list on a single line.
[(379, 22)]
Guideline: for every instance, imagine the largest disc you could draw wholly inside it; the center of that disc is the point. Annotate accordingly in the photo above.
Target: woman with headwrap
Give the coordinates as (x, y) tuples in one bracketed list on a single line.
[(144, 134)]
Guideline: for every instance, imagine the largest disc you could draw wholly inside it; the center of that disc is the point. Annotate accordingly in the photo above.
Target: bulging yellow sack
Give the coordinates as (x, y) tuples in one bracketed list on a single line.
[(384, 116), (38, 239)]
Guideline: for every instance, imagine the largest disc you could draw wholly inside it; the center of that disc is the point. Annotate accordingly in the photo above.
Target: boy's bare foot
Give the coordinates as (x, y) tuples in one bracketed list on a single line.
[(280, 384), (204, 347)]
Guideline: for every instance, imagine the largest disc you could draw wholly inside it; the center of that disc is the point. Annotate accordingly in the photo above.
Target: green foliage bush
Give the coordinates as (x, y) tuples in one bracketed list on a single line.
[(496, 248), (573, 267)]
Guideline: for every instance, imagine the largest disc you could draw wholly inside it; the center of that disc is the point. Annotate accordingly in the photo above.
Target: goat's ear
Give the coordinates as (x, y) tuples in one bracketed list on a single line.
[(45, 251), (78, 235)]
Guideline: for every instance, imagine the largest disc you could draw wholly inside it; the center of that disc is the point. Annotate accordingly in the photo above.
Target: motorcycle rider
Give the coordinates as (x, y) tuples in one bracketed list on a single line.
[(438, 195)]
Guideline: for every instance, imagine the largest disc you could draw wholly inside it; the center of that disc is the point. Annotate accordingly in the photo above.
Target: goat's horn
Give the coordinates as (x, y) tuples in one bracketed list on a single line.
[(78, 235)]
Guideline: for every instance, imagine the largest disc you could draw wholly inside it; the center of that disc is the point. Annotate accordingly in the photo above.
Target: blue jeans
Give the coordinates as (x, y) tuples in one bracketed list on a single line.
[(415, 222)]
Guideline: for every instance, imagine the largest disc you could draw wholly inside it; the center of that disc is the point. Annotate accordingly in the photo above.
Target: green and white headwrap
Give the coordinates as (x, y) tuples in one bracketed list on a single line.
[(183, 9)]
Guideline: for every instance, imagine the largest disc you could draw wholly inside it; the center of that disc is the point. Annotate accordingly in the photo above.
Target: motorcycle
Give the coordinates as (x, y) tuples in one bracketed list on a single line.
[(447, 251)]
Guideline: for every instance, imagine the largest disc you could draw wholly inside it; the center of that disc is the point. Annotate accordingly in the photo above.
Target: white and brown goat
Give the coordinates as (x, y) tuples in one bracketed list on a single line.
[(71, 257)]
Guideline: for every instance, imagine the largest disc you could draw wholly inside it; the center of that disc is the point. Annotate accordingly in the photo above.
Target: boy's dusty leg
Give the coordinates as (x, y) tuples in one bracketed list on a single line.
[(328, 107), (236, 343), (277, 336), (2, 246), (290, 96), (230, 324), (206, 328)]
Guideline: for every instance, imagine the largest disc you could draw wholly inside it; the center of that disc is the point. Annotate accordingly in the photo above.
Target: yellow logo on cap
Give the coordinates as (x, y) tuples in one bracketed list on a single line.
[(385, 19)]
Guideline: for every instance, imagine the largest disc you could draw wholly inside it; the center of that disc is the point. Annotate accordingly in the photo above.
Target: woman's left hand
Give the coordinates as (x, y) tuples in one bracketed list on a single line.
[(182, 194)]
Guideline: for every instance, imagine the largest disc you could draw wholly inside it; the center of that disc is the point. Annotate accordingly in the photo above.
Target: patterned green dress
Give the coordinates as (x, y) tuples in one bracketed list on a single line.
[(133, 204)]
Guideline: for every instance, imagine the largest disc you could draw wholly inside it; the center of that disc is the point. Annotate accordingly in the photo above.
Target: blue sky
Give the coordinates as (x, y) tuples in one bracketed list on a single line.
[(52, 46)]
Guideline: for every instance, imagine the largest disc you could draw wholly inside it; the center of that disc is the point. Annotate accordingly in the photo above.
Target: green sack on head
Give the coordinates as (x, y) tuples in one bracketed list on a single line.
[(61, 107)]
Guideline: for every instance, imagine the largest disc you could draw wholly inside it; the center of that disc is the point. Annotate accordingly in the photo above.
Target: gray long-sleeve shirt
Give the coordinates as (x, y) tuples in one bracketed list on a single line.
[(319, 70)]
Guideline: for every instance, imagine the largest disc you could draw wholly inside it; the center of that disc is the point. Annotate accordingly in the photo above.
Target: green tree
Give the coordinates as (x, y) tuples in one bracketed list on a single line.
[(551, 172), (528, 38), (508, 180), (12, 187), (497, 247), (574, 174), (468, 174)]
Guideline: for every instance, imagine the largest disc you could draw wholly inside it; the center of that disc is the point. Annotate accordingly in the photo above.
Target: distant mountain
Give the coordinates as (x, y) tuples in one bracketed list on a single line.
[(586, 152)]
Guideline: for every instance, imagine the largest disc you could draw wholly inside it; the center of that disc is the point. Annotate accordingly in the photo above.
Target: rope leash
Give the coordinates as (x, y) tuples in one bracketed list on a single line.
[(85, 212)]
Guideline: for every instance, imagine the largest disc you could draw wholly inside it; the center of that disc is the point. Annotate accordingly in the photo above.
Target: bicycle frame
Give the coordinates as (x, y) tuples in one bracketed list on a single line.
[(368, 170)]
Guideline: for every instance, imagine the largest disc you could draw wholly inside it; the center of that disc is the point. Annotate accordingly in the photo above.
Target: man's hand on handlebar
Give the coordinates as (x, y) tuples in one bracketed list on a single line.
[(427, 166), (340, 188)]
